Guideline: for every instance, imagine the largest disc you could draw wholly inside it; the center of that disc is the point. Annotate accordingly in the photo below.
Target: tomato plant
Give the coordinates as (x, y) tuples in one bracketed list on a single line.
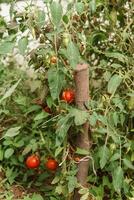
[(51, 44)]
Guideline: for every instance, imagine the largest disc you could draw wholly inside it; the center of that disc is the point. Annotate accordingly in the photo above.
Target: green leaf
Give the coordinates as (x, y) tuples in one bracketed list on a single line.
[(1, 153), (6, 47), (116, 55), (114, 83), (8, 153), (56, 13), (73, 54), (115, 118), (128, 163), (80, 116), (12, 131), (41, 115), (104, 154), (79, 7), (58, 151), (40, 18), (118, 179), (36, 197), (116, 156), (26, 150), (82, 151), (22, 45), (63, 126), (55, 180), (56, 82), (72, 183), (10, 91), (92, 5)]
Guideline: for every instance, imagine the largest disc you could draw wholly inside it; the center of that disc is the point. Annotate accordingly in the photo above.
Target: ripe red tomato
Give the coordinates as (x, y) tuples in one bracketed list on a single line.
[(51, 164), (33, 161), (53, 60), (47, 109), (68, 95)]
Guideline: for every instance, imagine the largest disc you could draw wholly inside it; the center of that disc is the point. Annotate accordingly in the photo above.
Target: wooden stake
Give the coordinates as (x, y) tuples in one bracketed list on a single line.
[(83, 140)]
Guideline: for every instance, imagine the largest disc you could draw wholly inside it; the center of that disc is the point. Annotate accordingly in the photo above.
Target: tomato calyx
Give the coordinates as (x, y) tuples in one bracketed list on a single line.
[(68, 95), (51, 164), (32, 161)]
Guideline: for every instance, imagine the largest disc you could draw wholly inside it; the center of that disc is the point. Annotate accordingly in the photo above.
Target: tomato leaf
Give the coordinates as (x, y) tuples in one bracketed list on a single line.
[(118, 179), (82, 151), (41, 115), (72, 183), (56, 82), (40, 18), (63, 125), (116, 55), (92, 5), (10, 91), (116, 156), (12, 131), (80, 116), (1, 153), (22, 45), (128, 163), (36, 197), (8, 153), (56, 13), (104, 154), (73, 54), (6, 47), (79, 7), (114, 83)]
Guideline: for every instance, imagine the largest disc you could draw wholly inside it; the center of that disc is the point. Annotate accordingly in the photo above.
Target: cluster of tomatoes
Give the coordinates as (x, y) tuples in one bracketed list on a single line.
[(33, 162)]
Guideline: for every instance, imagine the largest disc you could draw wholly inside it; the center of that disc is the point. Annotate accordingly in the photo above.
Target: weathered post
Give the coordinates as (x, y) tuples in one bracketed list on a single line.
[(83, 140)]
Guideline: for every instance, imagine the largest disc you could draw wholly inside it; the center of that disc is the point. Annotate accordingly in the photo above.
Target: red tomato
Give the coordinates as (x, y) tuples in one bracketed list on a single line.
[(33, 161), (53, 60), (51, 164), (47, 109), (68, 95)]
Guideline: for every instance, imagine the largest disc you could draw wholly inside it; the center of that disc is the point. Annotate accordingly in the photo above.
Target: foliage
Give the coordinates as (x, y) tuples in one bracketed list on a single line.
[(100, 34)]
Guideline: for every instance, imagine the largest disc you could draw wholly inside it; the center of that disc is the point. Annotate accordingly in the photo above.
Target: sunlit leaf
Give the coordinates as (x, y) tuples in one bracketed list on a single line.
[(8, 153), (10, 91), (22, 45), (6, 47), (114, 83), (56, 13), (73, 54), (12, 131)]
